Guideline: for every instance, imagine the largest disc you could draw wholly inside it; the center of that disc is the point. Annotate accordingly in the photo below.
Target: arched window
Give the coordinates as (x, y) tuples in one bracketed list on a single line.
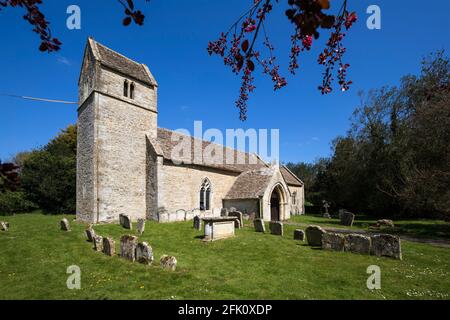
[(294, 198), (205, 195), (132, 90), (125, 88)]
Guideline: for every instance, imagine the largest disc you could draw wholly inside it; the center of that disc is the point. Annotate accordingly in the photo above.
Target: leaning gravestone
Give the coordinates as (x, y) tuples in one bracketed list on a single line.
[(65, 225), (299, 235), (386, 245), (4, 225), (168, 262), (276, 228), (347, 218), (314, 235), (197, 223), (90, 234), (125, 221), (333, 241), (357, 243), (259, 225), (238, 215), (141, 226), (385, 223), (144, 253), (98, 243), (128, 246), (109, 247)]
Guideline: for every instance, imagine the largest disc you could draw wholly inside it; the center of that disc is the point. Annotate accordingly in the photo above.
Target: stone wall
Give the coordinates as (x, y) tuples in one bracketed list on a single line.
[(299, 207), (179, 186), (246, 206), (86, 163)]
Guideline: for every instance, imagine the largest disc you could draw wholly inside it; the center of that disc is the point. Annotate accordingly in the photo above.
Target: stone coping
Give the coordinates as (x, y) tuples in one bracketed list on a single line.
[(219, 219)]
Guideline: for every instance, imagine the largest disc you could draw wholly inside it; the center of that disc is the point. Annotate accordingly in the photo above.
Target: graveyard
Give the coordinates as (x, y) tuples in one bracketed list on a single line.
[(249, 265)]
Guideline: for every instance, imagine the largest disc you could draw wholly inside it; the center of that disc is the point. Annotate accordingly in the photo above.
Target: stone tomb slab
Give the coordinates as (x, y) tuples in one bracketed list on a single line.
[(219, 228)]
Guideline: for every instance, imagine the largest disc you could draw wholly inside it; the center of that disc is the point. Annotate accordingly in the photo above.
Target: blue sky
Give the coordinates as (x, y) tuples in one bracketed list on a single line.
[(194, 86)]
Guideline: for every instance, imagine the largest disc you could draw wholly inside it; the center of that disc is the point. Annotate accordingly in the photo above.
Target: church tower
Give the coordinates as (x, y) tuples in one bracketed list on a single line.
[(117, 113)]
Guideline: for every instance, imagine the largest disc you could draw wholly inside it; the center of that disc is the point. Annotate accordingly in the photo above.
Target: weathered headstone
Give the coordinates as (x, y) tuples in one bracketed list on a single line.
[(259, 225), (299, 235), (237, 214), (385, 223), (168, 262), (224, 212), (141, 226), (386, 245), (65, 226), (197, 223), (346, 217), (333, 241), (125, 221), (98, 243), (181, 215), (314, 235), (357, 243), (4, 226), (276, 228), (109, 246), (128, 246), (144, 253), (90, 234)]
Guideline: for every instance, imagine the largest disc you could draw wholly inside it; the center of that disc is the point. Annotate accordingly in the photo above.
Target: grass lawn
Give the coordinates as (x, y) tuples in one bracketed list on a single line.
[(35, 255)]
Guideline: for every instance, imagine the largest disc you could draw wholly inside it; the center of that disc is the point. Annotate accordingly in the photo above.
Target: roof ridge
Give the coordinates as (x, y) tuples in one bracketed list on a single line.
[(114, 51)]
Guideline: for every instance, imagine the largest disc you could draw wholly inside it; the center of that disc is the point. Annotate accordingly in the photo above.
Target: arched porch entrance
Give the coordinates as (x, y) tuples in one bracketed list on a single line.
[(277, 203)]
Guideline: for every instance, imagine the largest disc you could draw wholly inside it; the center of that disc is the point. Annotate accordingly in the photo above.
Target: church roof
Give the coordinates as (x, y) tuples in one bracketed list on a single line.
[(251, 184), (290, 178), (168, 140), (122, 64)]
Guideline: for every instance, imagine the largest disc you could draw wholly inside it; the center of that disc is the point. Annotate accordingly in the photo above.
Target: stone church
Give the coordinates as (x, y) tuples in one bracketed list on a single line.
[(126, 164)]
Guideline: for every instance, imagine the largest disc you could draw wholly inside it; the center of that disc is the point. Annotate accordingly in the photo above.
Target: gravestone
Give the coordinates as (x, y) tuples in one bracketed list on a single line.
[(299, 235), (224, 212), (314, 235), (333, 241), (326, 206), (385, 223), (237, 224), (181, 215), (189, 215), (144, 253), (141, 226), (4, 225), (109, 246), (197, 223), (168, 262), (98, 243), (276, 228), (357, 243), (238, 215), (128, 246), (90, 234), (346, 218), (125, 221), (386, 245), (65, 225), (259, 225)]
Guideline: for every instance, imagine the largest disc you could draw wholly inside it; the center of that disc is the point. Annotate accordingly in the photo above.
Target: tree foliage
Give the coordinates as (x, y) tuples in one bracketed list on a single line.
[(395, 160), (48, 175)]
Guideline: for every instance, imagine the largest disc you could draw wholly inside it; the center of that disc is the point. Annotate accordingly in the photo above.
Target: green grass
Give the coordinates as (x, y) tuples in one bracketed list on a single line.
[(415, 228), (35, 255)]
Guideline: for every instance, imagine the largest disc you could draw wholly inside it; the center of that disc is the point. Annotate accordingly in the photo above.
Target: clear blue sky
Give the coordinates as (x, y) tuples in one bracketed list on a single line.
[(194, 86)]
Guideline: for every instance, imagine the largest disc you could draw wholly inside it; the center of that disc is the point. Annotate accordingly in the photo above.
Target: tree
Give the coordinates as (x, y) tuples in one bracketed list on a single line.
[(395, 160), (239, 45), (49, 174)]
